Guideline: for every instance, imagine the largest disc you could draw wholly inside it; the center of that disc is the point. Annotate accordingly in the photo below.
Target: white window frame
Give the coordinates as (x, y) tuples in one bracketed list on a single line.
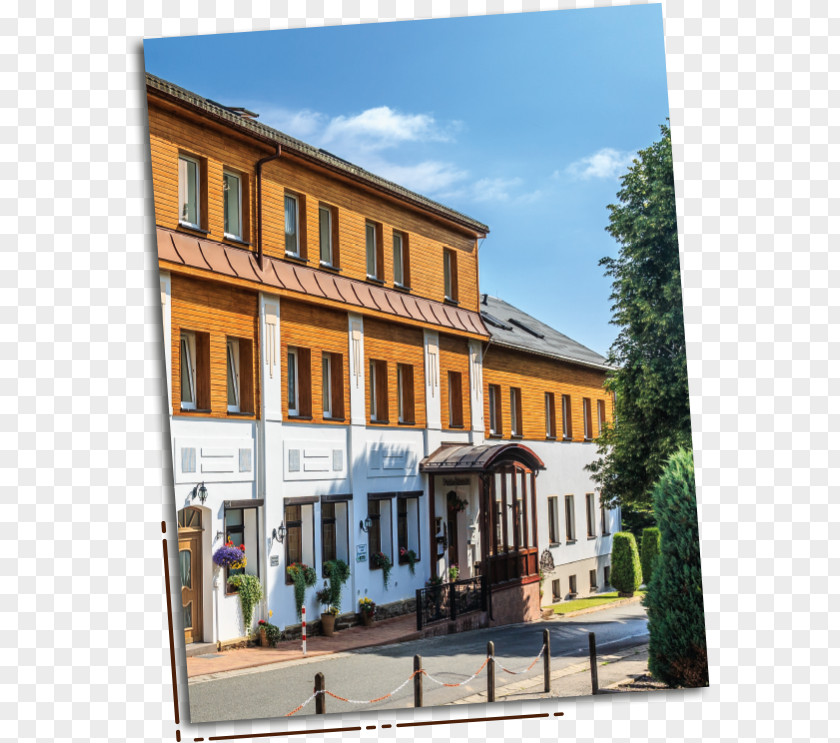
[(447, 274), (492, 391), (326, 385), (515, 423), (565, 405), (293, 382), (587, 419), (322, 210), (550, 415), (296, 253), (401, 370), (592, 524), (197, 224), (553, 516), (226, 174), (569, 516), (188, 345), (376, 267), (232, 355)]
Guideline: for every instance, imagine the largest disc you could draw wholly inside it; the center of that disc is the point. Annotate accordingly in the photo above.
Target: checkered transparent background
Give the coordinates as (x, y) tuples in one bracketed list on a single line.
[(85, 652)]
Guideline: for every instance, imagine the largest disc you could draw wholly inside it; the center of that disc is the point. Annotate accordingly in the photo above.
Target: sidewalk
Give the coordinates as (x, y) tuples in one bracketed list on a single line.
[(573, 681), (386, 632)]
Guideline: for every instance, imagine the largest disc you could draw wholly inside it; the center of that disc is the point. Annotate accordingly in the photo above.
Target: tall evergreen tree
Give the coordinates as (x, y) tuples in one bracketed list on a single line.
[(674, 599), (650, 381)]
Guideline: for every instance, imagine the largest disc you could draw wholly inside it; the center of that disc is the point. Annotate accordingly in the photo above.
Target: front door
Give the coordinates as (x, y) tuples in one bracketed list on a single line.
[(189, 557)]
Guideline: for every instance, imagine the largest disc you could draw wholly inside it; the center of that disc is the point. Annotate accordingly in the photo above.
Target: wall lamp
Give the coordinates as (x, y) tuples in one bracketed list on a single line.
[(199, 491), (365, 525), (279, 533)]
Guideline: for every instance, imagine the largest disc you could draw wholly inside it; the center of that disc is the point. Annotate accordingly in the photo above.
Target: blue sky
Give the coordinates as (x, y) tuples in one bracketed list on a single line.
[(524, 122)]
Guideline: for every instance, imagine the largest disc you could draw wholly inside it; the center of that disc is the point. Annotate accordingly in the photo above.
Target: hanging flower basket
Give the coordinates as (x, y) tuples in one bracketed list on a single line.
[(229, 556)]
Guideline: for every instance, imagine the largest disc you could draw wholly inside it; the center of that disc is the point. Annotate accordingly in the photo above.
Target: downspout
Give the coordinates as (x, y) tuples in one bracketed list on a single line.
[(260, 163)]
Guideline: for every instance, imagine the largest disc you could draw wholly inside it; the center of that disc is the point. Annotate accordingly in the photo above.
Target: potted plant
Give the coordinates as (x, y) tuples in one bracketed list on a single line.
[(454, 571), (381, 560), (455, 504), (368, 610), (409, 556), (331, 612), (303, 577), (269, 633), (228, 556)]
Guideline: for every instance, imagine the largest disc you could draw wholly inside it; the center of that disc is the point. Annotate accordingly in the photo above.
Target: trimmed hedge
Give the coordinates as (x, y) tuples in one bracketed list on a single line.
[(674, 599), (650, 551), (625, 568)]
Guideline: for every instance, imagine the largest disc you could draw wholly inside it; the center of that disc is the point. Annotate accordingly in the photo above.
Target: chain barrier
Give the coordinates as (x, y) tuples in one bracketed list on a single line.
[(423, 672)]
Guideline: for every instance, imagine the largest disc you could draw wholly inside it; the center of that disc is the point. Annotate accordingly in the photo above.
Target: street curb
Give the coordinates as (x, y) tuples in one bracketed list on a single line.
[(593, 609)]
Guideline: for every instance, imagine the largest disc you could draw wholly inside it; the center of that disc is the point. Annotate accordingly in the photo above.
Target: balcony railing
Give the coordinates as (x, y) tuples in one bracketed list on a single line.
[(449, 601)]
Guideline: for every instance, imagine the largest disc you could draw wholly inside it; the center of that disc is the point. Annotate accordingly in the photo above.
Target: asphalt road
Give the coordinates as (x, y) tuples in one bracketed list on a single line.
[(372, 672)]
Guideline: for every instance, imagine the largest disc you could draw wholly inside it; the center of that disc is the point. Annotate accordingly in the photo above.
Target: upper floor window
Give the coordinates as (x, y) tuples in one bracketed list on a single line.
[(456, 400), (515, 411), (567, 417), (233, 395), (292, 218), (292, 382), (494, 394), (590, 514), (450, 275), (553, 533), (605, 525), (587, 419), (378, 391), (189, 188), (570, 518), (326, 235), (233, 205), (194, 370), (373, 250), (240, 379), (550, 426), (405, 393), (401, 275), (299, 382), (602, 416), (332, 385), (187, 371)]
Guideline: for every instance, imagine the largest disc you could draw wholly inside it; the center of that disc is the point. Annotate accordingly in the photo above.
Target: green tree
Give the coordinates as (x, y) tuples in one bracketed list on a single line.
[(625, 568), (650, 551), (674, 598), (649, 381)]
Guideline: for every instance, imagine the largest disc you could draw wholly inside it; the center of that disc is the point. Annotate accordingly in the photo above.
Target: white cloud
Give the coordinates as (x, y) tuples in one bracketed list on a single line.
[(382, 127), (606, 163), (427, 177)]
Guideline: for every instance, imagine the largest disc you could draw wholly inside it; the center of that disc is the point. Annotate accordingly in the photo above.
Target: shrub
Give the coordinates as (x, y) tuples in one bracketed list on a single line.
[(625, 569), (650, 552), (250, 594), (674, 597)]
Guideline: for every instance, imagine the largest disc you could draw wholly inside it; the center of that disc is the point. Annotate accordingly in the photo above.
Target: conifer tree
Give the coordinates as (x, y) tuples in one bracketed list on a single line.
[(650, 551), (625, 568)]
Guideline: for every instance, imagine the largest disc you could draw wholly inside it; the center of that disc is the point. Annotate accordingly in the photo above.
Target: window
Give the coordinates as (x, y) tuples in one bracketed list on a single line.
[(450, 275), (593, 580), (550, 426), (378, 391), (405, 393), (194, 370), (332, 385), (515, 411), (334, 541), (570, 518), (300, 535), (456, 401), (379, 534), (233, 205), (587, 419), (605, 527), (553, 533), (233, 375), (327, 234), (590, 515), (241, 528), (373, 250), (189, 185), (573, 585), (408, 528), (606, 576), (401, 273), (567, 417), (298, 382), (602, 416), (494, 394), (292, 216)]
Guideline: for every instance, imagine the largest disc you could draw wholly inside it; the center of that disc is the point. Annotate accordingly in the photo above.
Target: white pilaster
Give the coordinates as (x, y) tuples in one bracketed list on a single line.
[(356, 346), (431, 343), (476, 392), (166, 311)]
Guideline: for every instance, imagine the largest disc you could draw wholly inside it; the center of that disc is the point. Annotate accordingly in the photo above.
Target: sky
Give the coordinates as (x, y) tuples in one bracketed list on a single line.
[(525, 122)]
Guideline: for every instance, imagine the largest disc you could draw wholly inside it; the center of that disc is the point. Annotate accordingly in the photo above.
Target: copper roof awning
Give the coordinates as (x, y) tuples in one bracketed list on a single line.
[(217, 258), (468, 458)]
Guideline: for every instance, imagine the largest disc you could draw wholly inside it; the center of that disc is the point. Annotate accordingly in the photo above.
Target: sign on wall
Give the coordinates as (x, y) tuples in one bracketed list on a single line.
[(361, 552)]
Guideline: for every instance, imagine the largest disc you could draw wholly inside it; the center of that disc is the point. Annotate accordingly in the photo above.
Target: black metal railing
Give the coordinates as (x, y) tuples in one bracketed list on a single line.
[(448, 601)]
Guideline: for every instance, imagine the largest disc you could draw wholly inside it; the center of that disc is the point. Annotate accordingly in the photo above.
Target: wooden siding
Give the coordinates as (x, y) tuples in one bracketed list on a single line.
[(321, 331), (455, 357), (534, 376), (396, 345), (352, 205), (219, 311)]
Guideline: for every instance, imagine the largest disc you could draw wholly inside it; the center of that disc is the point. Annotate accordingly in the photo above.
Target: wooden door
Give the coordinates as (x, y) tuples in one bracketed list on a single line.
[(189, 558)]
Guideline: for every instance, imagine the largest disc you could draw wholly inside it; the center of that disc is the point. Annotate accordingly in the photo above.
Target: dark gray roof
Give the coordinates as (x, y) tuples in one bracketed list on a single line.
[(470, 458), (513, 328), (231, 116)]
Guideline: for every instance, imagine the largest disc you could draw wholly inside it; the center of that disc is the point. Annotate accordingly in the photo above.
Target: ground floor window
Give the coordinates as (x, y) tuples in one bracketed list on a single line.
[(379, 534), (334, 539), (408, 528), (573, 584), (556, 594), (593, 580), (300, 535), (606, 576), (241, 530)]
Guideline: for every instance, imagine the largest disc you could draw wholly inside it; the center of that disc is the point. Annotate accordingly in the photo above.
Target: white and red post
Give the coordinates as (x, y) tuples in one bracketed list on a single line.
[(303, 627)]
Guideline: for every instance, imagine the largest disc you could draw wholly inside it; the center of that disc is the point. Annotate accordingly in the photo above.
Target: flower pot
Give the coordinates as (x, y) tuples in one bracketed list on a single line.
[(367, 619), (263, 638), (328, 624)]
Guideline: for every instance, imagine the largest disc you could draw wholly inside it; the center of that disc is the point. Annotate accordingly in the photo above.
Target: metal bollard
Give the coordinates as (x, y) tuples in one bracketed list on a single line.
[(418, 681), (303, 628), (491, 672), (321, 699), (547, 661), (593, 663)]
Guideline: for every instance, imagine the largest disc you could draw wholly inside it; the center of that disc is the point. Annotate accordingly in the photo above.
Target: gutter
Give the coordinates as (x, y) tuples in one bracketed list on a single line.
[(260, 163)]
